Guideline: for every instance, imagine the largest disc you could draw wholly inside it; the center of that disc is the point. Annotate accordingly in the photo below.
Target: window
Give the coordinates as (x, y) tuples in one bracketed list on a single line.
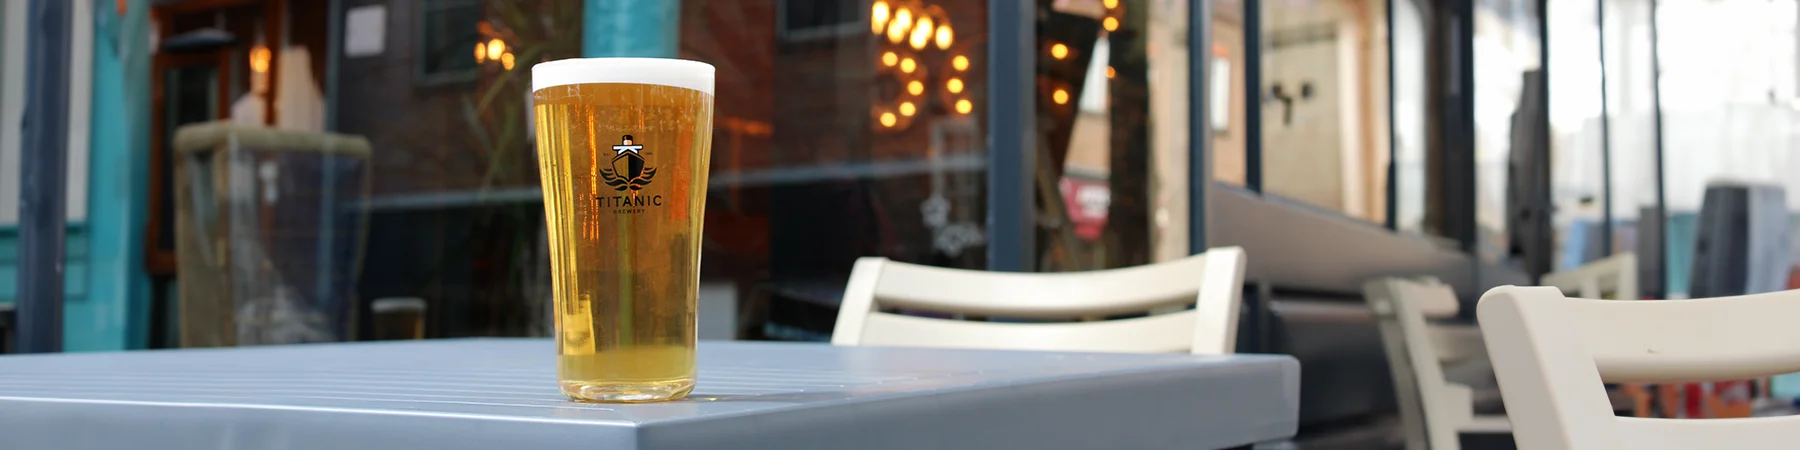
[(449, 36), (1113, 107), (1324, 105), (810, 19)]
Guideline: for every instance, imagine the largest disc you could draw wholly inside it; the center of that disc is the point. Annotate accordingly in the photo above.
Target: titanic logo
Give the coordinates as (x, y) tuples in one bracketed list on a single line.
[(628, 171)]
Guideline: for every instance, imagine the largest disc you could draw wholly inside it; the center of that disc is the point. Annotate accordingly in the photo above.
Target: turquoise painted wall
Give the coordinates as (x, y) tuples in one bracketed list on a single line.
[(75, 273), (631, 28)]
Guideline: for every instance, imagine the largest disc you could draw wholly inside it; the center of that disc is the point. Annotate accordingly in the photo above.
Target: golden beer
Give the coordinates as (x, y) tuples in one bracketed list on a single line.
[(623, 145)]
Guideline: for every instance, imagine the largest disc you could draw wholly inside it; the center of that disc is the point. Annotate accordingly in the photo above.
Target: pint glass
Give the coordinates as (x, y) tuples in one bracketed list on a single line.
[(623, 145)]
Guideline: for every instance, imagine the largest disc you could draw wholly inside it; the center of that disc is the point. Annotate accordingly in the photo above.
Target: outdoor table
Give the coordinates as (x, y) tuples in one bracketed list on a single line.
[(501, 393)]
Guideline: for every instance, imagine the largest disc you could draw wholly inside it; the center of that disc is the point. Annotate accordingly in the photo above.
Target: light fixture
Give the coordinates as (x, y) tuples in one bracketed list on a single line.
[(907, 109), (1060, 96), (506, 60), (259, 59), (915, 87), (888, 119), (944, 37), (964, 106), (878, 16), (907, 65), (890, 59), (480, 52), (895, 31), (921, 34), (903, 20), (960, 63), (1110, 72), (1111, 24), (1059, 51), (495, 48), (1110, 4), (955, 85)]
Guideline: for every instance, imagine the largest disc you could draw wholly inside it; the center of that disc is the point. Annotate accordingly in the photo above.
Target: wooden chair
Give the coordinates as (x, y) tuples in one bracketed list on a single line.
[(1434, 412), (1552, 354), (1613, 278), (1212, 282)]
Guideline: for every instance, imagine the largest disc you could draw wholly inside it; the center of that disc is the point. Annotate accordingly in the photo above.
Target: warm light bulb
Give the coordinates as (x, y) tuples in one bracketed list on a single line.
[(878, 16), (903, 19), (1111, 73), (480, 52), (259, 59), (495, 48), (1111, 23), (1110, 4), (1060, 96), (964, 106), (921, 34), (890, 59), (1059, 51), (955, 85), (888, 119), (915, 87), (907, 109), (506, 60), (895, 32), (907, 65), (944, 37), (960, 63)]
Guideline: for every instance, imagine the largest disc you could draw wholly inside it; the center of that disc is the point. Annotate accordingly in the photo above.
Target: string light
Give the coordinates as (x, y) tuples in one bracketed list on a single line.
[(964, 106), (907, 109), (506, 60), (960, 63), (1111, 23), (955, 85), (480, 52), (897, 28), (1110, 4), (259, 59), (1059, 51), (907, 65), (944, 37), (494, 48), (915, 87), (890, 59), (888, 119), (878, 16), (1060, 96), (921, 34), (1111, 73)]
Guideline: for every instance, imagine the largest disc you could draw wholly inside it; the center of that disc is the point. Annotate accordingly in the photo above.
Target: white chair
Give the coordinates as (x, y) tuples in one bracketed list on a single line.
[(1614, 277), (1552, 354), (1212, 282), (1434, 412)]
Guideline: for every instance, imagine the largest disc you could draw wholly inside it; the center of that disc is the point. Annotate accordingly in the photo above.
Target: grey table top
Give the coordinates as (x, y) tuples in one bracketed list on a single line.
[(501, 393)]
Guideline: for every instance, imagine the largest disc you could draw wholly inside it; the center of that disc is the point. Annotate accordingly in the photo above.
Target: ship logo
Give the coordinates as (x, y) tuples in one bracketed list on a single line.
[(628, 170)]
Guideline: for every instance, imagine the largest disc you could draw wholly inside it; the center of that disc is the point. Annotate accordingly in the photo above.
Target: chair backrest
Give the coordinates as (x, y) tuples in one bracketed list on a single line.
[(1212, 282), (1551, 355), (1615, 276), (1401, 307)]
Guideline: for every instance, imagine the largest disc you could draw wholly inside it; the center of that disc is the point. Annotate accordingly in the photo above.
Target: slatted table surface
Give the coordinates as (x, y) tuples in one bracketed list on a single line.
[(501, 393)]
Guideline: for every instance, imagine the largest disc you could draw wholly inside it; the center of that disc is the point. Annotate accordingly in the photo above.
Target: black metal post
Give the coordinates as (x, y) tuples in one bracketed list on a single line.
[(1253, 99), (43, 165), (1392, 215), (1661, 260), (1606, 188), (1459, 134), (1012, 135), (1200, 177)]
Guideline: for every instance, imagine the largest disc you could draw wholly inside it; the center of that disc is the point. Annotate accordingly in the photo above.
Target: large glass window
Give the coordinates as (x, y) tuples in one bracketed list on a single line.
[(1324, 99), (1630, 106), (1507, 106), (1113, 107), (1576, 142), (1225, 92)]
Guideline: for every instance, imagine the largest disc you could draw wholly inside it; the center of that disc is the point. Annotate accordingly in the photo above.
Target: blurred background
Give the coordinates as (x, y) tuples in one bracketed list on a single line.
[(236, 172)]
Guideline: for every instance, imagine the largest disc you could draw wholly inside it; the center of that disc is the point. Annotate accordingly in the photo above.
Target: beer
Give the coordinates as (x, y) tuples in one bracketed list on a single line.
[(623, 145)]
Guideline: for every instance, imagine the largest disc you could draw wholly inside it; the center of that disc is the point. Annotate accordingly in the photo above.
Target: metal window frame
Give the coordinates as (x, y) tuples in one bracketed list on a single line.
[(1012, 136)]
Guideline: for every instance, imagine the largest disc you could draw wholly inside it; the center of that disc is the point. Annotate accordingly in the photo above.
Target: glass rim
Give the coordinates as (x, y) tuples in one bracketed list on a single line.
[(671, 72)]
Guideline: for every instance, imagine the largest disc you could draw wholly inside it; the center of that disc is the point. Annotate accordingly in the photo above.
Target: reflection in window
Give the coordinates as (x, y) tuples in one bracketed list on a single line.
[(1324, 105), (1506, 61), (1576, 150), (834, 142), (1113, 182)]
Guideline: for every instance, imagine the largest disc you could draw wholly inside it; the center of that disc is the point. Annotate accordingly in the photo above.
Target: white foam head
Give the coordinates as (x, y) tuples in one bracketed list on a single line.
[(679, 73)]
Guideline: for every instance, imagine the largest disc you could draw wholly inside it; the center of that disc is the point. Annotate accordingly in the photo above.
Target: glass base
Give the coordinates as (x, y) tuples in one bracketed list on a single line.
[(623, 392)]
